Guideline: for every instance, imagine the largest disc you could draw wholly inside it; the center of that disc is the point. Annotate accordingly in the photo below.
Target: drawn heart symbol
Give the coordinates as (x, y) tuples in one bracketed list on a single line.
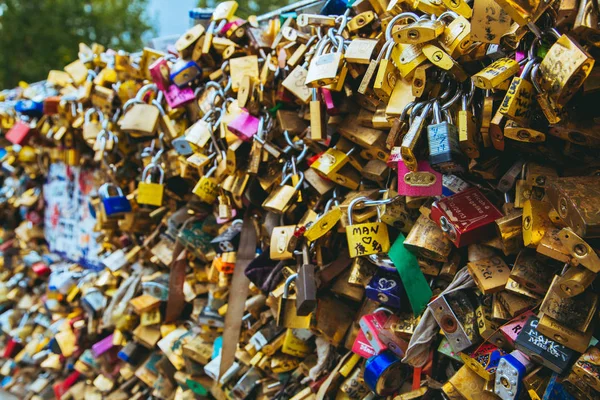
[(387, 284), (367, 239)]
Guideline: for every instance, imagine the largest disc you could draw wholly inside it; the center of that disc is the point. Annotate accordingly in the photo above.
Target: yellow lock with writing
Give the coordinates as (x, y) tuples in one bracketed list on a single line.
[(151, 193), (366, 238), (207, 188)]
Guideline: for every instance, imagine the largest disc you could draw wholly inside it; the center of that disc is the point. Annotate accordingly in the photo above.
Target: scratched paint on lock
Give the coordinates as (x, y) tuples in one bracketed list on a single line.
[(68, 221)]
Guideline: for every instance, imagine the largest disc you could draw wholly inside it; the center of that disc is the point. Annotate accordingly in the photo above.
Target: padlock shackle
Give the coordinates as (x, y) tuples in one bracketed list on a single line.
[(534, 78), (437, 112), (91, 111), (130, 103), (151, 87), (393, 21), (286, 285), (453, 99), (447, 14), (151, 166)]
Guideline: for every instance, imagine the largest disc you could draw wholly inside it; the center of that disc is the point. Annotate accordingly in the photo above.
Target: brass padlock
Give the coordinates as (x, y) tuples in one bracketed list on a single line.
[(280, 199)]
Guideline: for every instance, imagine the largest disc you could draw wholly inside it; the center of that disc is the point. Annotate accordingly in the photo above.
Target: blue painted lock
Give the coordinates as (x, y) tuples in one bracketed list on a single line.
[(386, 288), (30, 108), (113, 204), (183, 72)]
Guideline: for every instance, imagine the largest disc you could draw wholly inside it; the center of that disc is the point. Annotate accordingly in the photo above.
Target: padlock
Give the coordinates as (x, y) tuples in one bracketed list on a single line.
[(444, 151), (387, 74), (207, 188), (587, 368), (381, 338), (151, 193), (159, 70), (185, 44), (510, 373), (245, 126), (326, 68), (113, 205), (531, 272), (572, 198), (490, 274), (575, 312), (420, 31), (465, 217), (19, 133), (496, 73), (140, 119), (183, 72), (384, 373), (306, 286), (541, 349), (365, 238), (91, 128), (561, 83), (516, 104), (411, 139), (331, 162), (386, 288), (286, 314), (455, 314), (280, 199)]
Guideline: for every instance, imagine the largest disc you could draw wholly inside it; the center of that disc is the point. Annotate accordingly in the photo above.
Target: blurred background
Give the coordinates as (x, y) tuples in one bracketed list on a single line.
[(37, 36)]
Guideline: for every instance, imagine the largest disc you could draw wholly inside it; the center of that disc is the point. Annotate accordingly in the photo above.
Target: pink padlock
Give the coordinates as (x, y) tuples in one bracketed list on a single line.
[(330, 106), (177, 97), (19, 133), (395, 157), (424, 182), (244, 126), (362, 347), (221, 221), (512, 329), (371, 325), (159, 71)]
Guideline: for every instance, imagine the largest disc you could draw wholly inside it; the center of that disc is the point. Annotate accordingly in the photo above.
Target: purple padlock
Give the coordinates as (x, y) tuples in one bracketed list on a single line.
[(244, 126), (103, 346), (177, 97), (386, 288)]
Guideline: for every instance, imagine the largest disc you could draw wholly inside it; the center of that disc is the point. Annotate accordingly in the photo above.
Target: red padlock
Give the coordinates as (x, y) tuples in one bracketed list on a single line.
[(466, 217), (361, 346), (19, 133), (380, 338)]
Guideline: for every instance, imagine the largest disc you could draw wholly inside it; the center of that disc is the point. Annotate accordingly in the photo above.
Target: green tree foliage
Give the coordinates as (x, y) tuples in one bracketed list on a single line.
[(39, 35), (250, 7)]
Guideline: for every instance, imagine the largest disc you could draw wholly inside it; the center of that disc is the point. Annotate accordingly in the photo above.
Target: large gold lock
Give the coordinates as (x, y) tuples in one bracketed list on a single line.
[(420, 31), (151, 193), (280, 199), (560, 79), (140, 119), (496, 73), (207, 188), (286, 312), (366, 238), (325, 68)]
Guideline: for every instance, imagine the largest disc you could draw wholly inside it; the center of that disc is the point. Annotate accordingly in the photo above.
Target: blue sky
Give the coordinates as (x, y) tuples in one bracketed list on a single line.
[(171, 16)]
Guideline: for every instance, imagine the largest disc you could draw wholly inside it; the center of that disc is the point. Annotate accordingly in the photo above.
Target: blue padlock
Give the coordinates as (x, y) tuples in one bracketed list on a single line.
[(511, 370), (30, 108), (384, 373), (113, 204), (386, 287), (185, 71)]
